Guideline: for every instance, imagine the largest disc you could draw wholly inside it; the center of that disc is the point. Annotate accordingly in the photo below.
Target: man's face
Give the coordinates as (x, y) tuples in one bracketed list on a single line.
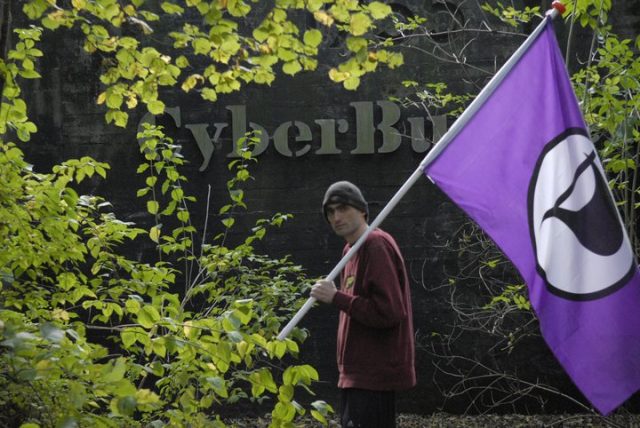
[(345, 220)]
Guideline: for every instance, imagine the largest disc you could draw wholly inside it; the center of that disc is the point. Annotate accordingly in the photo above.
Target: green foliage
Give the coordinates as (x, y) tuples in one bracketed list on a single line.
[(511, 295), (173, 358), (136, 69), (20, 63), (433, 98), (589, 13), (91, 337), (609, 87), (510, 15)]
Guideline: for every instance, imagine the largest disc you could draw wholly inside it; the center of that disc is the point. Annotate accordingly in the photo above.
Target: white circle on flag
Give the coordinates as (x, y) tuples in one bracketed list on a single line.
[(582, 250)]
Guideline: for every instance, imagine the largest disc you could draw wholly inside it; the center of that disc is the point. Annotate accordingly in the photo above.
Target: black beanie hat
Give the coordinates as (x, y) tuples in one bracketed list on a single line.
[(344, 192)]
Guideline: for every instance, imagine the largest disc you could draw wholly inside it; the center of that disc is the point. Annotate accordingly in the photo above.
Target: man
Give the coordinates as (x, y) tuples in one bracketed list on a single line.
[(375, 331)]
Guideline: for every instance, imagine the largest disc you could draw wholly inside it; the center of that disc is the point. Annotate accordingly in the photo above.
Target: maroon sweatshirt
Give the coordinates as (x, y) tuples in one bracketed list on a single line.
[(375, 331)]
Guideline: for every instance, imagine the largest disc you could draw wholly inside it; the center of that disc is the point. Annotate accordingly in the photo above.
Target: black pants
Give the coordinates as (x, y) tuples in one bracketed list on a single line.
[(362, 408)]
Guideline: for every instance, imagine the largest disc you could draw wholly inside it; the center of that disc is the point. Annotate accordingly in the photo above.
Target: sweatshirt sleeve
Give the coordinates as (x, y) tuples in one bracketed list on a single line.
[(381, 303)]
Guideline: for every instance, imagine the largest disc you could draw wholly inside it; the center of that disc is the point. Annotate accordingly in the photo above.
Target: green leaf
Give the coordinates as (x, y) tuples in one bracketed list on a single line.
[(115, 373), (284, 411), (285, 393), (209, 94), (128, 42), (126, 405), (319, 417), (114, 100), (183, 216), (219, 386), (148, 316), (359, 24), (30, 74), (153, 206), (154, 234), (312, 38), (172, 9), (291, 67), (128, 338), (159, 347), (260, 34), (267, 380), (182, 61), (314, 5), (379, 10), (155, 107), (351, 83), (355, 44), (201, 46)]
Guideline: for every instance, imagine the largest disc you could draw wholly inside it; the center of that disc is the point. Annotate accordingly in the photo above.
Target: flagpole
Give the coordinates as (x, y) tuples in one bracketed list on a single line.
[(557, 9)]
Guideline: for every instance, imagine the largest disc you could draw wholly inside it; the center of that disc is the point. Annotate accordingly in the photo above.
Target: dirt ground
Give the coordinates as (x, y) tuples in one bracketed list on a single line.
[(442, 420)]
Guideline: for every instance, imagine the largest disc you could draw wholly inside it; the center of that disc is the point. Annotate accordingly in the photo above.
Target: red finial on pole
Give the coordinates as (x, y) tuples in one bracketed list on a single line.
[(557, 5)]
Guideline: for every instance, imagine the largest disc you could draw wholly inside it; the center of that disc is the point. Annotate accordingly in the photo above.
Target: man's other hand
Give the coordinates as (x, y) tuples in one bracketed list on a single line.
[(324, 291)]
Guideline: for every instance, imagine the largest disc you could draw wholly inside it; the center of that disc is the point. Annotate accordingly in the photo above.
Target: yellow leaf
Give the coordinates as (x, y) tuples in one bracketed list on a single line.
[(187, 328), (58, 15), (102, 98), (323, 17), (154, 234), (60, 314), (132, 101), (146, 396), (338, 76), (189, 83)]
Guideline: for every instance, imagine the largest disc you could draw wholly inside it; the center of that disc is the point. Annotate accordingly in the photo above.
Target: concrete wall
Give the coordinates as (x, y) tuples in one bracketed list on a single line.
[(72, 125)]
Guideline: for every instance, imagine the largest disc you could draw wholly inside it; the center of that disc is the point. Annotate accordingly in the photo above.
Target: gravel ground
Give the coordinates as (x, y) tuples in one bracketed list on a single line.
[(442, 420)]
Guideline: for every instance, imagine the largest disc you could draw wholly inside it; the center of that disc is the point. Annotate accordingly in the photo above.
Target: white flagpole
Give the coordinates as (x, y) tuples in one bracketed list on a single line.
[(557, 8)]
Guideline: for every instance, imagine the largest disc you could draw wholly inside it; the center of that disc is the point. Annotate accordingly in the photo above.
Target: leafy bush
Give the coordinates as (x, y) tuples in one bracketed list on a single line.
[(90, 337)]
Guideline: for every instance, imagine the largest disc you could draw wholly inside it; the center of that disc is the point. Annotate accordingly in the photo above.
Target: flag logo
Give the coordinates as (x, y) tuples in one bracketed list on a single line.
[(582, 251)]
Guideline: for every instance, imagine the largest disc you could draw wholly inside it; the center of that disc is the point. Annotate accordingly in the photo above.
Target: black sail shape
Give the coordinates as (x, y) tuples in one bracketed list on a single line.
[(596, 225)]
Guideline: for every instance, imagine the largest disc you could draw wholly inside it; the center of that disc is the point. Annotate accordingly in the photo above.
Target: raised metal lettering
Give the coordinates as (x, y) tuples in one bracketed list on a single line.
[(390, 136), (364, 128), (281, 138), (328, 135), (205, 143)]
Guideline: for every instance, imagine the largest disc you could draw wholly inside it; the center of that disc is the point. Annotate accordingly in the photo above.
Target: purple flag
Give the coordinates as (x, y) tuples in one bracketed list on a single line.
[(526, 171)]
